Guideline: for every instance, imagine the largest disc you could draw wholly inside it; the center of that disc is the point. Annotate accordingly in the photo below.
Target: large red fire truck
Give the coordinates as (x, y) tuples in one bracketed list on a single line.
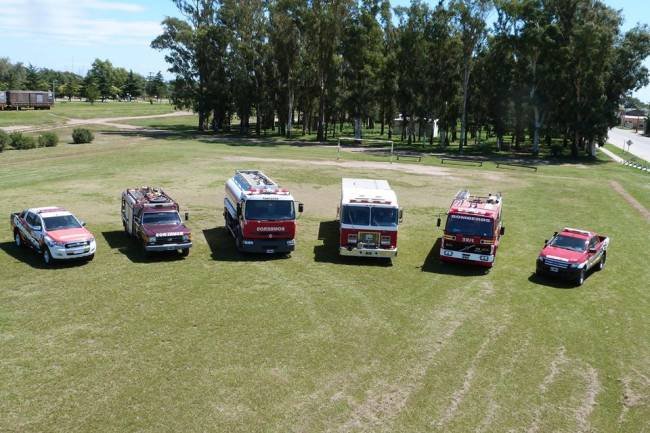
[(259, 214), (151, 216), (473, 229), (369, 217)]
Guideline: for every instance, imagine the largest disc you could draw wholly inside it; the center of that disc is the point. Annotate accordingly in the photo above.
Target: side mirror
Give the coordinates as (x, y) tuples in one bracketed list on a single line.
[(438, 222), (545, 242), (301, 207), (187, 216), (239, 209), (503, 230), (37, 228), (83, 223), (401, 214)]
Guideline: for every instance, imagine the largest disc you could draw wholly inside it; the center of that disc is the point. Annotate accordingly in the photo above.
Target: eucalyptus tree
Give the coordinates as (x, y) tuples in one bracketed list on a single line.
[(470, 22)]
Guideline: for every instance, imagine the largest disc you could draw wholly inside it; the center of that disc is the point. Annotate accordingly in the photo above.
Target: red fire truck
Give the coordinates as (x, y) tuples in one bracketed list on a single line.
[(151, 216), (369, 217), (473, 229), (259, 214)]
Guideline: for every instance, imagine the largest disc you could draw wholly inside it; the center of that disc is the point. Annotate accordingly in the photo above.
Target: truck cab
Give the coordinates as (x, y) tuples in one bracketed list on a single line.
[(259, 214), (369, 218), (473, 229), (152, 217)]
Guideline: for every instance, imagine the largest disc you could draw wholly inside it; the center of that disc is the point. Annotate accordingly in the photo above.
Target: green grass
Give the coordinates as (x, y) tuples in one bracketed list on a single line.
[(81, 110), (314, 342), (624, 154)]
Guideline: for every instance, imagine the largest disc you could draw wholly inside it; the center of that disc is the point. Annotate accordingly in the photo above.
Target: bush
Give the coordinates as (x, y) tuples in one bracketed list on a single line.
[(82, 135), (48, 139), (20, 141), (4, 140)]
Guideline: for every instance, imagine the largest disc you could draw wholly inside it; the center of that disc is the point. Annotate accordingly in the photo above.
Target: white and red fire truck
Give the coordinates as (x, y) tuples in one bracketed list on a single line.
[(473, 229), (369, 217), (259, 214), (54, 233), (152, 217)]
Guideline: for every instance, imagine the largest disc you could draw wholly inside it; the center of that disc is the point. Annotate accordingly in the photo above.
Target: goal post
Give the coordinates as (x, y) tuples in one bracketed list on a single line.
[(364, 140)]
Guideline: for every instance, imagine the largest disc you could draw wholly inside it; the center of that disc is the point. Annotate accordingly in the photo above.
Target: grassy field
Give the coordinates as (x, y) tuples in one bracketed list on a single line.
[(315, 342), (81, 110)]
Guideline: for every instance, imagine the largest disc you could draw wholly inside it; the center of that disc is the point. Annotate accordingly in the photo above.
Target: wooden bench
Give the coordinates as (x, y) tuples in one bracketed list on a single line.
[(475, 162), (414, 156), (506, 164)]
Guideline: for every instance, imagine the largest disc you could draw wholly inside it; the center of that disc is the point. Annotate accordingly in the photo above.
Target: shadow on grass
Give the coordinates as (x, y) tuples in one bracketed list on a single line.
[(35, 260), (223, 249), (328, 252), (558, 283), (120, 241), (434, 265)]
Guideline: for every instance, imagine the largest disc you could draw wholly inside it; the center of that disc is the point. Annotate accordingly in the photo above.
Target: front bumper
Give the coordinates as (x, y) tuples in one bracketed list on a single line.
[(63, 253), (367, 252), (451, 256), (267, 246), (557, 272), (168, 247)]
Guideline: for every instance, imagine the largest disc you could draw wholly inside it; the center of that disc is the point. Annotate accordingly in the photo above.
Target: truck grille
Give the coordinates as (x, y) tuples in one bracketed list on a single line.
[(77, 244), (169, 240), (368, 238), (468, 248), (556, 263)]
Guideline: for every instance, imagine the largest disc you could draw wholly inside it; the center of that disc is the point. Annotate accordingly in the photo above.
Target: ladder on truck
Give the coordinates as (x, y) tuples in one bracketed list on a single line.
[(255, 180), (464, 195)]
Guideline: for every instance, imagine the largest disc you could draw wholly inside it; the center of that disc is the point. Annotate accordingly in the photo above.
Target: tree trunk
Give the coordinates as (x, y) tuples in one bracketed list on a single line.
[(357, 127), (290, 113), (463, 120)]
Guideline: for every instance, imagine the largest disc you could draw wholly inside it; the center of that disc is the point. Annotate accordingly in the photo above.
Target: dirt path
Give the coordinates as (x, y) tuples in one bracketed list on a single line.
[(631, 200), (427, 170), (106, 121)]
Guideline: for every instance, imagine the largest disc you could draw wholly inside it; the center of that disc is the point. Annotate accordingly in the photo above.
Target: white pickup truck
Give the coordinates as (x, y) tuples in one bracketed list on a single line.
[(54, 233)]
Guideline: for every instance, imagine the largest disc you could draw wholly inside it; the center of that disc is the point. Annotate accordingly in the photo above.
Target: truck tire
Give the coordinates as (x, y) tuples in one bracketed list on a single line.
[(18, 240), (603, 259), (47, 257), (581, 277), (90, 258), (185, 252)]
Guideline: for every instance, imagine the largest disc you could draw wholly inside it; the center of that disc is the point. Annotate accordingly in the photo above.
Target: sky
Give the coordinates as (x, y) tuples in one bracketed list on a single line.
[(70, 34)]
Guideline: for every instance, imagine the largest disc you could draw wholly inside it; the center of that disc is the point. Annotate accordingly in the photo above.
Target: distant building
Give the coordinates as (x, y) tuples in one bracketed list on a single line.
[(633, 118)]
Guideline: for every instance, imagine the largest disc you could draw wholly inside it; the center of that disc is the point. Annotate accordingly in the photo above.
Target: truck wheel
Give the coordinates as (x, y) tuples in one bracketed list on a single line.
[(90, 258), (603, 259), (18, 239), (47, 257), (185, 252), (581, 278)]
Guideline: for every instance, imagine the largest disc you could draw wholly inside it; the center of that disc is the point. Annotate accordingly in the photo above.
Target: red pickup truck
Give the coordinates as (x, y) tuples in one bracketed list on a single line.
[(571, 254)]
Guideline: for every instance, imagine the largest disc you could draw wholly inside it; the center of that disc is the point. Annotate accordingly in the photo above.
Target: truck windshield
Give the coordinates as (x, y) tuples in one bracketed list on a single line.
[(269, 210), (470, 226), (61, 223), (569, 243), (161, 218), (369, 216)]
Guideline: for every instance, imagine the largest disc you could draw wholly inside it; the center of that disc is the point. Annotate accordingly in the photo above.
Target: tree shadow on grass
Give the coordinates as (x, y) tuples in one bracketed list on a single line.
[(124, 244), (34, 259), (223, 249), (434, 265), (328, 252)]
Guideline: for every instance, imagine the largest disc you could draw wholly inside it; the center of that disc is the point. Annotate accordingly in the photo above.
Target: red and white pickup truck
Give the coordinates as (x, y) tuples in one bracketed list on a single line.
[(572, 253), (54, 233)]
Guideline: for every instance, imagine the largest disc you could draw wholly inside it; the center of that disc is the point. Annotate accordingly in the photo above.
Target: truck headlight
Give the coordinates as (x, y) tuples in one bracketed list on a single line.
[(152, 240), (540, 258), (187, 238), (291, 242), (247, 242), (52, 243), (576, 265), (352, 238)]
